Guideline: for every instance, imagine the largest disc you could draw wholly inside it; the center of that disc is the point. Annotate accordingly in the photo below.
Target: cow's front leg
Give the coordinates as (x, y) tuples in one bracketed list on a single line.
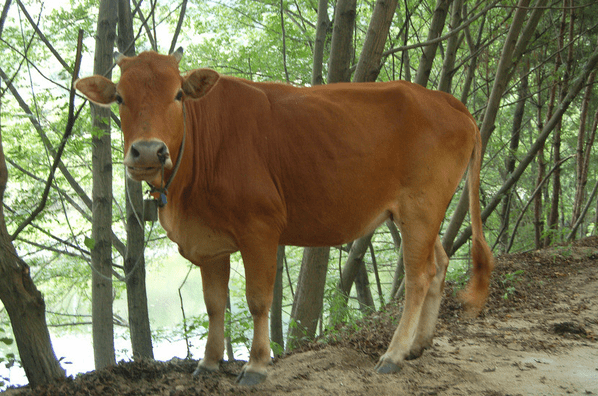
[(259, 260), (214, 276)]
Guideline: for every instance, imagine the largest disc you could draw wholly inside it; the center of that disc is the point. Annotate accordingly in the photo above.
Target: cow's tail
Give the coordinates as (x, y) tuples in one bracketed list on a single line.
[(475, 294)]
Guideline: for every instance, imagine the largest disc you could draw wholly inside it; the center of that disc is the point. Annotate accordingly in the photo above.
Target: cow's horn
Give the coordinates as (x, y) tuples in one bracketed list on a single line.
[(178, 54)]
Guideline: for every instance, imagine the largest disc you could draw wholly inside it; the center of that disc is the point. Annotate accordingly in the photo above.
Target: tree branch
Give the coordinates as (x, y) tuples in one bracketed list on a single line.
[(178, 27), (67, 133), (44, 39)]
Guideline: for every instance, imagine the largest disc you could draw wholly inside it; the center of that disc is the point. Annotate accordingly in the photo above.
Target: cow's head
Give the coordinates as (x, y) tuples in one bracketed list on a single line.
[(150, 96)]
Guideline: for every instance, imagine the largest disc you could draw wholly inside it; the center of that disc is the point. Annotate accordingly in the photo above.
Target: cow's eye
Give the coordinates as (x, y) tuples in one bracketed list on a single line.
[(179, 96), (119, 99)]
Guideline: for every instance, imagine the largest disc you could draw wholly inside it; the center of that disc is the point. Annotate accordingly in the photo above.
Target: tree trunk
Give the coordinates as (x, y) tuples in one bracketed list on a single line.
[(511, 157), (101, 254), (448, 65), (352, 265), (24, 304), (585, 168), (429, 52), (582, 214), (362, 287), (341, 47), (276, 330), (139, 325), (320, 42), (368, 66), (581, 175), (309, 296), (553, 215)]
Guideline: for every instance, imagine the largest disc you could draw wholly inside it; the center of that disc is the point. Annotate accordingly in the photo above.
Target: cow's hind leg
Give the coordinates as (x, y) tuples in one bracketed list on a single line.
[(429, 314), (259, 260), (419, 238), (214, 276)]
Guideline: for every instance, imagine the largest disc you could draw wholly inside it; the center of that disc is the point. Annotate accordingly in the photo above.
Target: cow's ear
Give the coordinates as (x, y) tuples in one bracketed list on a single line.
[(199, 82), (97, 89)]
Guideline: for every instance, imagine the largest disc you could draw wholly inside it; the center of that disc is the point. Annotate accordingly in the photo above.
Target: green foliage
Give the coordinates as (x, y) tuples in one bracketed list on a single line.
[(9, 359), (276, 348), (239, 326), (509, 282), (90, 243), (294, 339)]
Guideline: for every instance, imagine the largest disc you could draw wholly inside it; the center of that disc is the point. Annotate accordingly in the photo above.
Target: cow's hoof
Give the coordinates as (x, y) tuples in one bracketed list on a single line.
[(249, 378), (386, 367), (201, 370)]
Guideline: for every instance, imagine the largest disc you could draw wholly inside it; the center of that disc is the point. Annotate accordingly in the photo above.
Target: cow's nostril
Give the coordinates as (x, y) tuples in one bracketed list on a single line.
[(163, 154), (134, 152)]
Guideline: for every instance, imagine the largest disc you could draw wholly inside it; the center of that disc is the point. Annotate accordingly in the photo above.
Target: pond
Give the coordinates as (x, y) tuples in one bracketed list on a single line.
[(74, 348)]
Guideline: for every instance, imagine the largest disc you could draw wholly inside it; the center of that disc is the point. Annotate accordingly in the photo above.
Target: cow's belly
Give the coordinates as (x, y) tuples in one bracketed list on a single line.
[(332, 231), (198, 242)]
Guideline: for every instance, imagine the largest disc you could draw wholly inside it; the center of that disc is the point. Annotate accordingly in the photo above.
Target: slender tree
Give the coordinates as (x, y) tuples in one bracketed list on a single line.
[(341, 47), (511, 157), (101, 249), (581, 171), (429, 52), (276, 322), (309, 296)]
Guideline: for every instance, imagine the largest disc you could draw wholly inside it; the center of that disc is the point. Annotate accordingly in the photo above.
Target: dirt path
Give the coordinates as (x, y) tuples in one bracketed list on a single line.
[(539, 340)]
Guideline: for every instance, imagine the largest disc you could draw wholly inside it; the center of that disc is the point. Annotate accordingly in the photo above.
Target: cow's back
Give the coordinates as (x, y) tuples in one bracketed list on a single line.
[(347, 146)]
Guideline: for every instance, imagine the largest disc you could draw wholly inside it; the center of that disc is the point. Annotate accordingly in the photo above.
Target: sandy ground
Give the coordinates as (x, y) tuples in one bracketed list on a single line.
[(539, 340)]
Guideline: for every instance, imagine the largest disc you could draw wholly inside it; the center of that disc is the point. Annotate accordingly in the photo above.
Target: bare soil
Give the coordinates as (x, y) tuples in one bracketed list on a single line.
[(536, 336)]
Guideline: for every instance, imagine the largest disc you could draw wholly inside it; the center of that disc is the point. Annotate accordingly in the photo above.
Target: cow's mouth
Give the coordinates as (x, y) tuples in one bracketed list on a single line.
[(140, 173)]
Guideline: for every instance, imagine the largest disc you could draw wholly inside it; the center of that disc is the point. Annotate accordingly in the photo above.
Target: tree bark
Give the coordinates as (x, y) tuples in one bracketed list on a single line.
[(341, 48), (309, 296), (362, 287), (581, 175), (101, 254), (553, 215), (429, 52), (352, 266), (321, 30), (368, 66), (446, 75), (511, 158), (571, 235), (584, 169), (276, 330)]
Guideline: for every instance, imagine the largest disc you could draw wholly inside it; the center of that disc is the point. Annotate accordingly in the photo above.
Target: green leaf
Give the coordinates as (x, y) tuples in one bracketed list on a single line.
[(90, 243), (6, 340)]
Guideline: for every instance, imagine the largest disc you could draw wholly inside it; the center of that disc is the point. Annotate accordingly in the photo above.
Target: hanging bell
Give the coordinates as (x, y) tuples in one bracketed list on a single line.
[(150, 210)]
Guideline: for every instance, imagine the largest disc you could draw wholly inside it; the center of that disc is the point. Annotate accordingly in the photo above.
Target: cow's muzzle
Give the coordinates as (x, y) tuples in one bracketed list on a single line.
[(146, 158)]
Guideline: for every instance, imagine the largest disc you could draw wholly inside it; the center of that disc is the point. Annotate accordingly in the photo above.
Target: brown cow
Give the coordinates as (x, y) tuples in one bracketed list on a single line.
[(268, 164)]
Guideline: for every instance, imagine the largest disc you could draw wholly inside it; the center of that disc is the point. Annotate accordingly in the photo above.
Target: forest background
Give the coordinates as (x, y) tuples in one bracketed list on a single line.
[(71, 231)]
